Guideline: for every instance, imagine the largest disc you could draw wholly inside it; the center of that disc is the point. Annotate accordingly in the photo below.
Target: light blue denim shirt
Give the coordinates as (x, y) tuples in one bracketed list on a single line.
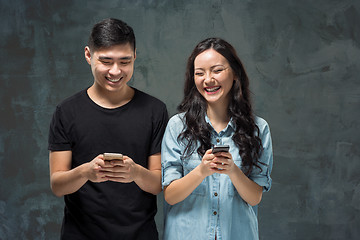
[(214, 207)]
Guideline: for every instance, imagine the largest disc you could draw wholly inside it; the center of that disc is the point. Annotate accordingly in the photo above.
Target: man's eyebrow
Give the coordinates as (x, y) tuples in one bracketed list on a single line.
[(110, 58)]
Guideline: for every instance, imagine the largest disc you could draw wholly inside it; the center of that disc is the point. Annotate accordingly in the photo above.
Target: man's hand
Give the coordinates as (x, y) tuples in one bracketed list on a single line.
[(94, 171), (124, 171)]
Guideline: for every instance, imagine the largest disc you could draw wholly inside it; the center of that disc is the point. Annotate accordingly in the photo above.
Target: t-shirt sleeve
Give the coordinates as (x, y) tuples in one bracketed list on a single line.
[(171, 165), (58, 138), (262, 177), (159, 124)]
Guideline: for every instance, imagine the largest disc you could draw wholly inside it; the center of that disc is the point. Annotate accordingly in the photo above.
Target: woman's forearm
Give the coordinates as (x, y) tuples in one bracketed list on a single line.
[(181, 188), (250, 191)]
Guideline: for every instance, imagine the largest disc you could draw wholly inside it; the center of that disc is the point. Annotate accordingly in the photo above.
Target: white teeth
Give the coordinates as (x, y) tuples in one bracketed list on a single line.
[(214, 89), (113, 80)]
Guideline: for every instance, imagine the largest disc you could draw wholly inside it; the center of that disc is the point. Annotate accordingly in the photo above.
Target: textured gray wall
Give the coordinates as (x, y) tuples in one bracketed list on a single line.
[(303, 59)]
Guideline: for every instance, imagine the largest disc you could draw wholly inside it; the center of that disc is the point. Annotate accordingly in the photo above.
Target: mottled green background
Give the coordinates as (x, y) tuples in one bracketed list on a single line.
[(303, 59)]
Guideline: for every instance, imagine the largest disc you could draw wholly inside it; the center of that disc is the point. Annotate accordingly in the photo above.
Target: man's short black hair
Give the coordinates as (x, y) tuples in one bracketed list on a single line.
[(111, 32)]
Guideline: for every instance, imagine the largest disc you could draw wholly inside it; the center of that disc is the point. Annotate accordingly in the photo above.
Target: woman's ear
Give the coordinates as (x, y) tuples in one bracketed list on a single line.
[(88, 55)]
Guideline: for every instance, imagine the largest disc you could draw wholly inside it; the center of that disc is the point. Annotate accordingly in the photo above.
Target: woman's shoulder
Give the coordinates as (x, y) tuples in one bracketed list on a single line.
[(262, 124), (177, 120)]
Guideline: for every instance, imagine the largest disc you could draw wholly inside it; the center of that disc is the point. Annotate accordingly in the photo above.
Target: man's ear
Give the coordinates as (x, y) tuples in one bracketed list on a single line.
[(88, 55)]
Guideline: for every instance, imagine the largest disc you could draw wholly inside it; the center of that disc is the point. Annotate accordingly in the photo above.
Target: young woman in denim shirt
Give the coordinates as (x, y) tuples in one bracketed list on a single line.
[(213, 196)]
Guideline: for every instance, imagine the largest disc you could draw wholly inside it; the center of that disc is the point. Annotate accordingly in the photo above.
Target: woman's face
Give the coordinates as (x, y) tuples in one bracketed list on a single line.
[(213, 77)]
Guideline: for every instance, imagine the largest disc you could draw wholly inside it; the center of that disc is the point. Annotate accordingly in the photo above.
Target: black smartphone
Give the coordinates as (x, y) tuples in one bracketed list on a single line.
[(220, 148)]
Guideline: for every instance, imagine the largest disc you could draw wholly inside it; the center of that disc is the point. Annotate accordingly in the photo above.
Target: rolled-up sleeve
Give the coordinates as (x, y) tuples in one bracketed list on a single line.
[(262, 177), (171, 151)]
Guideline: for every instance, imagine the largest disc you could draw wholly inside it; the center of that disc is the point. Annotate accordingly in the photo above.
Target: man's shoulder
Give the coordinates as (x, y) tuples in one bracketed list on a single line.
[(73, 99), (147, 99)]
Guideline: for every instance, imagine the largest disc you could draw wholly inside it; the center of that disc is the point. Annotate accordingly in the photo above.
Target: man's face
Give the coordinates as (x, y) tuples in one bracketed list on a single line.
[(111, 67)]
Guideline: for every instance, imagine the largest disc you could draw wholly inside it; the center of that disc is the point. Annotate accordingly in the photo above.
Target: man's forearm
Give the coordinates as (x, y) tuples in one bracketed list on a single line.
[(67, 182), (148, 180)]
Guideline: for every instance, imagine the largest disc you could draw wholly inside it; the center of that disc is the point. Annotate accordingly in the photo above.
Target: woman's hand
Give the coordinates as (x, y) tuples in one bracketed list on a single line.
[(223, 163), (206, 166), (248, 190)]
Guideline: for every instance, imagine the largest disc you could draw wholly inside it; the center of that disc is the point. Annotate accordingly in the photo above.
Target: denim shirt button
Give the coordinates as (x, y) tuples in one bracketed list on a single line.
[(214, 212), (217, 140), (215, 194)]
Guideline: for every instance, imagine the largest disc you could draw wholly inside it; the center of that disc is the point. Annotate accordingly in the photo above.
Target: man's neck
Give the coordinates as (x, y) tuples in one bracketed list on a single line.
[(110, 99)]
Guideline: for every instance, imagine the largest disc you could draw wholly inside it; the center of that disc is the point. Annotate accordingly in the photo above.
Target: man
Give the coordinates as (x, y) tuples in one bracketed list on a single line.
[(108, 199)]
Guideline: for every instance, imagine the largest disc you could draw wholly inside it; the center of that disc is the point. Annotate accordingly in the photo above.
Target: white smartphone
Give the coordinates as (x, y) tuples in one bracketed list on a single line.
[(113, 156)]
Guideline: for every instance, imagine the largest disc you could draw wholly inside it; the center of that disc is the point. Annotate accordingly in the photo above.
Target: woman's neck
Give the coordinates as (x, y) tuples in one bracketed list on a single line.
[(218, 116)]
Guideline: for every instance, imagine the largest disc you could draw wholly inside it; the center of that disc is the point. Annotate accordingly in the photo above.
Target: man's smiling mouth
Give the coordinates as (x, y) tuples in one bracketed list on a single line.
[(113, 80)]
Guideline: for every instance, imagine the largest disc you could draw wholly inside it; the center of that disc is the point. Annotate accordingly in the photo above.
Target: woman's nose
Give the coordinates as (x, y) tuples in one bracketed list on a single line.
[(209, 77)]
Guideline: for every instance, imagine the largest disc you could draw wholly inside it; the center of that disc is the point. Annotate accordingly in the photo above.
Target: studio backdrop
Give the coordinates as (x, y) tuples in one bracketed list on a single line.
[(303, 61)]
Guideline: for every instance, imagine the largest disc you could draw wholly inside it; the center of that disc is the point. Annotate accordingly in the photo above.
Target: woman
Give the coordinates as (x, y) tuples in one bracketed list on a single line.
[(211, 195)]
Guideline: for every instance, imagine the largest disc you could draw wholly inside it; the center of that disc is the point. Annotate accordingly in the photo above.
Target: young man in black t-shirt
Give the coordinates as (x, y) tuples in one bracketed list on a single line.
[(108, 199)]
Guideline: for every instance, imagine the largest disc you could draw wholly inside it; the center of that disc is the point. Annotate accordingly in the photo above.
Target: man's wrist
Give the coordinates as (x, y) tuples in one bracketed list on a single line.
[(136, 175)]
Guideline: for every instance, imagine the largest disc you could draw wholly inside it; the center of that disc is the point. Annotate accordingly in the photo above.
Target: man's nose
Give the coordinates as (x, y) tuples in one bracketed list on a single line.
[(115, 69)]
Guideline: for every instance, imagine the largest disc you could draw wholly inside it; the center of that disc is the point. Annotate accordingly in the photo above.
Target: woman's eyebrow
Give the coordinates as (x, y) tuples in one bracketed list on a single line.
[(198, 69), (214, 66), (217, 65)]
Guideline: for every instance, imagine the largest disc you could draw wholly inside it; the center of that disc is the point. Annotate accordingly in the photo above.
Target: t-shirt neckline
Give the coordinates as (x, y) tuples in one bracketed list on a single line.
[(110, 109)]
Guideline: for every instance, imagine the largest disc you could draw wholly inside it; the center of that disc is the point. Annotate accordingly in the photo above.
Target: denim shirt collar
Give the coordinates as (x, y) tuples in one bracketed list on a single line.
[(230, 126)]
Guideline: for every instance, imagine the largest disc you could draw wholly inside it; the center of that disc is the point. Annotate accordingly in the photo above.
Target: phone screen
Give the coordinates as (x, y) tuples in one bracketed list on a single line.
[(220, 148)]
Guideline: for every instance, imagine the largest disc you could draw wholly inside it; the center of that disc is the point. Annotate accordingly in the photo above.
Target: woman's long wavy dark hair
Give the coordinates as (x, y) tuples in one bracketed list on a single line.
[(246, 136)]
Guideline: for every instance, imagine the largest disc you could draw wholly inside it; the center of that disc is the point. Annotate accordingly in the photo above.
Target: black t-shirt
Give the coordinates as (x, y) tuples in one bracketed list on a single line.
[(109, 210)]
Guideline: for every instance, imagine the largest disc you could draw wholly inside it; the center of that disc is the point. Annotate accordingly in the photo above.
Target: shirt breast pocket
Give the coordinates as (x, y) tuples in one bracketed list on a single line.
[(189, 165)]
